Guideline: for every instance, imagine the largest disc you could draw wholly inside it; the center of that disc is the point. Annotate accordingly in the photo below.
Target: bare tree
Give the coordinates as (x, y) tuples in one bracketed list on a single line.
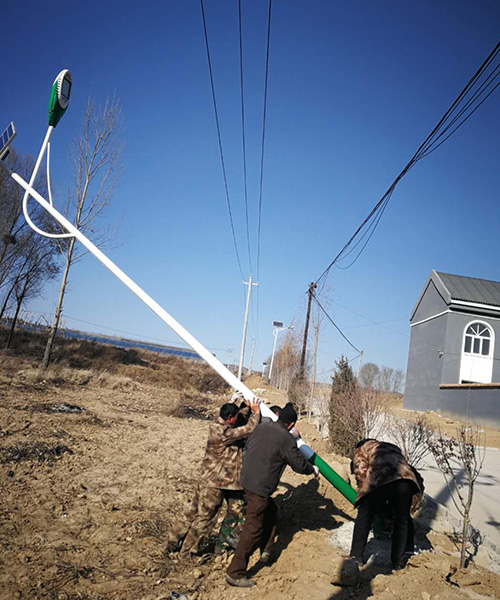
[(374, 412), (39, 266), (368, 375), (13, 226), (460, 460), (411, 435), (321, 405), (286, 359), (385, 379), (97, 166), (398, 378)]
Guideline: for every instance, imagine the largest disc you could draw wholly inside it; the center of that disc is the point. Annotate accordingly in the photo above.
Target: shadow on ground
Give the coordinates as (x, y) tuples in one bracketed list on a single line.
[(302, 508)]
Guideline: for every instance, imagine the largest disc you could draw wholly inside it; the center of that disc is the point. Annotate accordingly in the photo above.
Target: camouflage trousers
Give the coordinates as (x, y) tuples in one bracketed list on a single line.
[(198, 522)]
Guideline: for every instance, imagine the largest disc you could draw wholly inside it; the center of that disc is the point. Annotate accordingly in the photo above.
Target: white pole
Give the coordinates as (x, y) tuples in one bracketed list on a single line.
[(225, 373), (359, 364), (245, 323), (275, 333)]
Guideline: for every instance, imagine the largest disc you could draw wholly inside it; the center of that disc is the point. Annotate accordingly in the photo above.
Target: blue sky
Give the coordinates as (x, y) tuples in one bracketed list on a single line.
[(354, 88)]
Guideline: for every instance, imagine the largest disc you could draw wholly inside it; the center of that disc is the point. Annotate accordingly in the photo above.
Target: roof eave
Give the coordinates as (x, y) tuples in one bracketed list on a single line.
[(440, 287)]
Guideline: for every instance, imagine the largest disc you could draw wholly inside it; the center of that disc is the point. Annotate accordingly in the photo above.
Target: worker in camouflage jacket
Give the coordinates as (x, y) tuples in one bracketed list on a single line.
[(385, 479), (220, 472)]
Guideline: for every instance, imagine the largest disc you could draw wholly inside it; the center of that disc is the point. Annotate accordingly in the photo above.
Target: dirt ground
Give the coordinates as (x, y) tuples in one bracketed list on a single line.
[(86, 498)]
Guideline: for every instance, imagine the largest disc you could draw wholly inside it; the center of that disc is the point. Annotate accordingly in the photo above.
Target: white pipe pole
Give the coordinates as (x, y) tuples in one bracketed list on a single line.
[(245, 323), (33, 177), (225, 373), (275, 333)]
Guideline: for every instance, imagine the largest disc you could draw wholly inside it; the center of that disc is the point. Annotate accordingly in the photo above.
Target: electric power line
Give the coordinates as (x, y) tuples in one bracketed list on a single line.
[(264, 116), (431, 143), (261, 179), (219, 138), (335, 325), (243, 139)]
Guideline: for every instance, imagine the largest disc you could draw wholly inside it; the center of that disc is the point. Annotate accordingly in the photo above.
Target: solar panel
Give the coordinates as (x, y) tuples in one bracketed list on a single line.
[(7, 136)]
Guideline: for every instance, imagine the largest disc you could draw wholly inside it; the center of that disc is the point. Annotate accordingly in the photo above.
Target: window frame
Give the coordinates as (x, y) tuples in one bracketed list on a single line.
[(478, 338)]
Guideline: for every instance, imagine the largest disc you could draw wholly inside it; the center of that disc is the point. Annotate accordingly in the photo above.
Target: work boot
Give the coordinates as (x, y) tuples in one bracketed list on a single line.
[(242, 582)]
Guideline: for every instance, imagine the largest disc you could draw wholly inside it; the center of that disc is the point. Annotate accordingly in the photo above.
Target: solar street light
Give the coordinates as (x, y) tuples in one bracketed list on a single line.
[(59, 97), (6, 139)]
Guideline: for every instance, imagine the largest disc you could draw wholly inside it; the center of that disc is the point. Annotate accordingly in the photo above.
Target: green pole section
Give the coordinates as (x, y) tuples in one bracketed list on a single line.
[(334, 478)]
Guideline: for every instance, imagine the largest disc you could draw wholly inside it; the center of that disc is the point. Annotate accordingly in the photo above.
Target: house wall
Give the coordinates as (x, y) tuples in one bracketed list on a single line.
[(430, 304), (482, 405), (424, 370)]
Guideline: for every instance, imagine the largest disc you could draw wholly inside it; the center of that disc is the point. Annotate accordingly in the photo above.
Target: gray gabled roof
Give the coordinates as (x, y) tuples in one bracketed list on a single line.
[(471, 289)]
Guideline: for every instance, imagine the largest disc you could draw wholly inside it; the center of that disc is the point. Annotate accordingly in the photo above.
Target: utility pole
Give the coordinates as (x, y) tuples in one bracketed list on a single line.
[(312, 287), (313, 383), (229, 357), (245, 323), (254, 341), (359, 364)]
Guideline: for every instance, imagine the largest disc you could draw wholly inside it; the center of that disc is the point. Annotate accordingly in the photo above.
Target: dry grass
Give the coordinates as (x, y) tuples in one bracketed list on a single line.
[(82, 362), (56, 375)]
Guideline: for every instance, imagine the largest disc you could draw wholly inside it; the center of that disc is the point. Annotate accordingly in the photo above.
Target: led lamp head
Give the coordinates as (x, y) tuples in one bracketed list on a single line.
[(59, 97)]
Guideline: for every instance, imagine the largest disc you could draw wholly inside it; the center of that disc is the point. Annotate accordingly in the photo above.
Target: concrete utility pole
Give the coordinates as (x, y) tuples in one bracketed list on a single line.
[(254, 341), (245, 323), (312, 287), (359, 364)]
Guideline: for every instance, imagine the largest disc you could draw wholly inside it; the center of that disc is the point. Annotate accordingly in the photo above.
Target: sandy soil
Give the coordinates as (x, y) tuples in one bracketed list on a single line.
[(86, 499)]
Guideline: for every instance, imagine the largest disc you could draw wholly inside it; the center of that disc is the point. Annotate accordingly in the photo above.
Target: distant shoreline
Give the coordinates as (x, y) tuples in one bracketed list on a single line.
[(112, 340)]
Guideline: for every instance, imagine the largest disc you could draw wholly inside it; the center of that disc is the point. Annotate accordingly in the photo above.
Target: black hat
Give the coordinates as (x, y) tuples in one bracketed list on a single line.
[(288, 414)]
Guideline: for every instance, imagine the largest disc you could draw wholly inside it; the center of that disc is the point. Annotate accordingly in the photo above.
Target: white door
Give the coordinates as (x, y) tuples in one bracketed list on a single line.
[(477, 353)]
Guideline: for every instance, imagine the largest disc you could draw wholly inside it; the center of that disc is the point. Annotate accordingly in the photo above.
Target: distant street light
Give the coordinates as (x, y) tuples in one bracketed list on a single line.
[(278, 326)]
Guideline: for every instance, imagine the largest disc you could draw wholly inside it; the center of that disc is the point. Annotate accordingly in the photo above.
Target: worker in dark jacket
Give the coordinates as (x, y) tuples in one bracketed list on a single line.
[(269, 449)]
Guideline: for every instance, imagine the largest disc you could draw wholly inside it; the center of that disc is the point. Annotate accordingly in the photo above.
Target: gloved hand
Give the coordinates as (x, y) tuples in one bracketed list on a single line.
[(236, 396), (316, 471), (295, 433)]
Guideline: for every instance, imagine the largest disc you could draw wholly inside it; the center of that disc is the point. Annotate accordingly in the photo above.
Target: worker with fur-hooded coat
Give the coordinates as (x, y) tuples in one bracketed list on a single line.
[(384, 477)]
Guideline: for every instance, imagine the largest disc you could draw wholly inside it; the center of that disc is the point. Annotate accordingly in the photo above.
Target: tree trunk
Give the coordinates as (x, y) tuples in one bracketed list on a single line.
[(55, 325), (6, 302), (465, 539), (16, 314)]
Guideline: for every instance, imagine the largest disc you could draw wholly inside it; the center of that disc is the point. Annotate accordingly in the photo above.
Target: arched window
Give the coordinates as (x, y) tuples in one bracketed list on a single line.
[(478, 339), (477, 353)]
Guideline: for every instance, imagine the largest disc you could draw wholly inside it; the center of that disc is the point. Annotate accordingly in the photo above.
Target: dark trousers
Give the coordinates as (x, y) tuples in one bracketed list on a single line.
[(398, 496), (258, 531)]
